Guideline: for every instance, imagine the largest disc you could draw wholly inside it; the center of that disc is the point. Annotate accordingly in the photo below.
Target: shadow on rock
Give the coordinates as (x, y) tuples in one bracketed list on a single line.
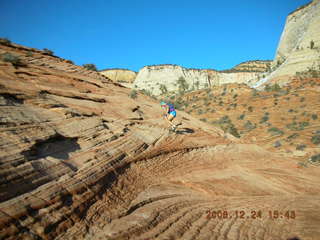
[(184, 131)]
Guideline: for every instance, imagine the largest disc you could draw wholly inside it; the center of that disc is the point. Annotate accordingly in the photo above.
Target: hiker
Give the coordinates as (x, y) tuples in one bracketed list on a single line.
[(169, 113)]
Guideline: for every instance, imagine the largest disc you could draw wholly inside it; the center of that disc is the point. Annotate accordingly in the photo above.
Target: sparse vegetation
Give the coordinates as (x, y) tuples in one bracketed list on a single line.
[(13, 59), (226, 125), (275, 131), (133, 94), (301, 147), (249, 125), (90, 66), (46, 51), (271, 88), (5, 41), (315, 158), (316, 139)]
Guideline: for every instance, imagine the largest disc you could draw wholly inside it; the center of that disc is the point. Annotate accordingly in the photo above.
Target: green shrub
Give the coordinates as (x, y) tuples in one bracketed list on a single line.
[(301, 147), (133, 94), (297, 126), (265, 118), (241, 117), (13, 59), (90, 66), (315, 158), (249, 125), (200, 111), (275, 131), (314, 116), (315, 139)]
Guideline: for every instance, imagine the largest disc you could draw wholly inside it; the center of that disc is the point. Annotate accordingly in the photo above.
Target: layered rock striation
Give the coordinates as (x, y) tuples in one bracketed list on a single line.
[(152, 78)]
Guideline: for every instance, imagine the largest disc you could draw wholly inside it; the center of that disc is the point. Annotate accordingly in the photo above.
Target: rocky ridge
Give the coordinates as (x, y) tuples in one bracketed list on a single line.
[(80, 159), (152, 78), (299, 46), (123, 76)]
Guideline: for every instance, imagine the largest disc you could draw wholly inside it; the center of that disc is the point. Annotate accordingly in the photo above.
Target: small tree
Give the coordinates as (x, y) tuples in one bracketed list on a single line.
[(183, 85), (312, 44), (90, 67), (5, 41), (163, 89), (46, 51), (197, 84)]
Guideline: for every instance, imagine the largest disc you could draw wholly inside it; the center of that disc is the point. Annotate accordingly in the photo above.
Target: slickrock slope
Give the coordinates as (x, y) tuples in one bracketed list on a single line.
[(152, 77), (122, 76), (299, 46), (81, 160)]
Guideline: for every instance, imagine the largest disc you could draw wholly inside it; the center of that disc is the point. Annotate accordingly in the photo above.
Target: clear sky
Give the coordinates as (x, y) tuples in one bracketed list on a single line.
[(135, 33)]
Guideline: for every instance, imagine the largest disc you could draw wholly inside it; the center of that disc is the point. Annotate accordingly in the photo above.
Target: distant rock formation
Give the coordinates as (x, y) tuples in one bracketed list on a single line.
[(153, 77), (122, 76), (299, 46)]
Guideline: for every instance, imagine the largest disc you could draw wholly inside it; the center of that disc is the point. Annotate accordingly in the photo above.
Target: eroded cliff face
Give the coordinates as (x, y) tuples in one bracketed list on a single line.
[(122, 76), (299, 46), (80, 159), (152, 77)]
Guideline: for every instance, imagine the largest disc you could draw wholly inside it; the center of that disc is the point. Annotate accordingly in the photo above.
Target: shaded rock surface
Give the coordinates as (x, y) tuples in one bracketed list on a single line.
[(81, 160)]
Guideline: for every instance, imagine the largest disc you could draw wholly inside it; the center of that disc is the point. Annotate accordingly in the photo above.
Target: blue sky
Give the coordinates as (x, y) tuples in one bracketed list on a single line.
[(135, 33)]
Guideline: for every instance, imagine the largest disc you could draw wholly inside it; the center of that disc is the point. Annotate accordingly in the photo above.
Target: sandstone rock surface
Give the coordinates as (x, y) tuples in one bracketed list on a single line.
[(81, 160)]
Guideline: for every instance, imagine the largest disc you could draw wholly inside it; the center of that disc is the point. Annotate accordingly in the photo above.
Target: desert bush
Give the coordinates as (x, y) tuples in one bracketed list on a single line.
[(315, 158), (200, 111), (133, 94), (315, 139), (301, 147), (241, 117), (203, 119), (5, 41), (275, 131), (249, 125), (29, 54), (46, 51), (277, 144), (314, 116), (265, 118), (13, 59), (90, 66), (302, 99), (270, 88), (297, 126), (250, 108), (292, 136)]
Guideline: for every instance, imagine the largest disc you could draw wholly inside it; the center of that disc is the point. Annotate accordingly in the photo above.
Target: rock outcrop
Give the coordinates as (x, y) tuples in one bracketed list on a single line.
[(80, 159), (152, 77), (123, 76), (299, 46)]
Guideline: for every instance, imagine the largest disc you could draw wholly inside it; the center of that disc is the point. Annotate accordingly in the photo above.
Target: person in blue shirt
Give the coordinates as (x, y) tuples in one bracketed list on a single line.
[(169, 113)]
